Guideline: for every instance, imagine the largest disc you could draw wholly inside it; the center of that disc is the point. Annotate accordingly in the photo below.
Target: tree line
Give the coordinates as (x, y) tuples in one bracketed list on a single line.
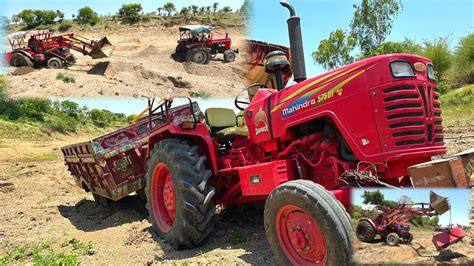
[(129, 13), (61, 116), (372, 23)]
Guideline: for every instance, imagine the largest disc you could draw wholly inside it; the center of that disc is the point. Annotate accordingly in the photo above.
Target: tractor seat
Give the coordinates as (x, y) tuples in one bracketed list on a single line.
[(223, 124)]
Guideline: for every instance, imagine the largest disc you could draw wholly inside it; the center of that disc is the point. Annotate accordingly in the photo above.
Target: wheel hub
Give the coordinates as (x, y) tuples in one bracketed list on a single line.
[(300, 236), (163, 198), (198, 57)]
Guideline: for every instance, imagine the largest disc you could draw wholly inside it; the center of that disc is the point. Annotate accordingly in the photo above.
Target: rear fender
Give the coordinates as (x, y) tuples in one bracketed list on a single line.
[(369, 221), (199, 136), (23, 52)]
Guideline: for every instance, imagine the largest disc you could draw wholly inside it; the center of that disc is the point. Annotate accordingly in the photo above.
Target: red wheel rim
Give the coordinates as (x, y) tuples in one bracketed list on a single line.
[(163, 198), (300, 237)]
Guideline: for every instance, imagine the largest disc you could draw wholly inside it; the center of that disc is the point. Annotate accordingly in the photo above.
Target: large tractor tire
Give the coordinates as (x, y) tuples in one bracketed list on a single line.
[(304, 226), (393, 239), (198, 55), (55, 63), (20, 60), (179, 198), (365, 232), (407, 238), (229, 56)]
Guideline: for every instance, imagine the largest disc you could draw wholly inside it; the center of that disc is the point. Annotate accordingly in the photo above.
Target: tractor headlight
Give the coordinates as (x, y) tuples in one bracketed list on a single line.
[(401, 69), (431, 72)]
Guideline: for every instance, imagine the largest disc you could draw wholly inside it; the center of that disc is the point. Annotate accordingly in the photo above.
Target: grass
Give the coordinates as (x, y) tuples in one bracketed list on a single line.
[(66, 77), (45, 253), (41, 157), (200, 94), (458, 106), (236, 237)]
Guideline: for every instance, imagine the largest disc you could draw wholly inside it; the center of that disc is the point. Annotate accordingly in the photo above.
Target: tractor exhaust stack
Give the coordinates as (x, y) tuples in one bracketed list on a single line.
[(296, 44)]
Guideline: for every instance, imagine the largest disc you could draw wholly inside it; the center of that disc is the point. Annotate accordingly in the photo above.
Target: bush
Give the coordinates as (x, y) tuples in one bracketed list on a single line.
[(65, 77), (36, 18), (63, 123), (463, 62), (65, 26), (130, 13), (86, 15)]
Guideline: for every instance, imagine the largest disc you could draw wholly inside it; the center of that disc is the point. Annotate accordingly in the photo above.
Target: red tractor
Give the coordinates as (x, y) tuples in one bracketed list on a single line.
[(36, 48), (197, 44), (299, 152), (391, 224)]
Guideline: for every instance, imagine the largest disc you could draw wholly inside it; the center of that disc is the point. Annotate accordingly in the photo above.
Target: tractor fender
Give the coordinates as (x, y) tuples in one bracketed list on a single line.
[(369, 221), (199, 135), (27, 53)]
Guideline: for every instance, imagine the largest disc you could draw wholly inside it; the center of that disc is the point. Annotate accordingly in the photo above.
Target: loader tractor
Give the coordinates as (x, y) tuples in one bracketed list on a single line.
[(39, 48), (198, 44), (300, 151), (391, 224)]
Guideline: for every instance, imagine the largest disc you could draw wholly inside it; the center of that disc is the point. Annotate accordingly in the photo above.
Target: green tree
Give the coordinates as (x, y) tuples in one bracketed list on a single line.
[(404, 199), (130, 12), (374, 197), (202, 10), (215, 6), (184, 11), (194, 9), (70, 108), (15, 19), (86, 15), (246, 8), (335, 51), (159, 11), (406, 46), (372, 22), (439, 53), (100, 118), (169, 7), (60, 15), (208, 9), (226, 9), (462, 70), (4, 22)]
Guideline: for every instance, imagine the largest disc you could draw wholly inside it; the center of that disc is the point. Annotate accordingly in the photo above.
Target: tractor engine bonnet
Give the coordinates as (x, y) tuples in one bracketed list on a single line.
[(438, 203), (296, 44)]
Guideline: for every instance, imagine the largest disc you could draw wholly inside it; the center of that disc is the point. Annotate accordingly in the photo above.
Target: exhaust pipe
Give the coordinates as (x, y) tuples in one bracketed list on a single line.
[(296, 44)]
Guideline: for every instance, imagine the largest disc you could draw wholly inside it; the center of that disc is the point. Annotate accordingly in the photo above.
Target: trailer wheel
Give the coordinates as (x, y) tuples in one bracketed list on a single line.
[(20, 60), (407, 238), (229, 56), (55, 63), (179, 199), (365, 232), (393, 239), (198, 55), (303, 227)]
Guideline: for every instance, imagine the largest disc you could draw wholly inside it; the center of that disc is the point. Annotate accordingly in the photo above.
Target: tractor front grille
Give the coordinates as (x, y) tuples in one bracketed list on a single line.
[(413, 114)]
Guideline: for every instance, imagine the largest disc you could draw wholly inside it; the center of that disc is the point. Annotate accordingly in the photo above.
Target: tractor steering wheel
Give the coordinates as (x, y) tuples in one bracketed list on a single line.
[(251, 92)]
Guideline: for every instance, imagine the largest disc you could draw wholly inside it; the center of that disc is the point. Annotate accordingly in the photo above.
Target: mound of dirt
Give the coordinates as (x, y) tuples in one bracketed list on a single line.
[(22, 71), (147, 52), (6, 187)]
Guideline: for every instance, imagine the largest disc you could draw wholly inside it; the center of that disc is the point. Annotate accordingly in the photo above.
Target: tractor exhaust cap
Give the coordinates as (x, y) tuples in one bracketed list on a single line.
[(296, 44)]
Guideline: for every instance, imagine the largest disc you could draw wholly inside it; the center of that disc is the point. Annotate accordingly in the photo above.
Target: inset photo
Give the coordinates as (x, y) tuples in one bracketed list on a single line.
[(411, 226)]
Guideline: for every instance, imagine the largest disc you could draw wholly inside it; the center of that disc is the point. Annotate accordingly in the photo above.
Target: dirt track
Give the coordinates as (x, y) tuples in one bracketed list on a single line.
[(141, 64)]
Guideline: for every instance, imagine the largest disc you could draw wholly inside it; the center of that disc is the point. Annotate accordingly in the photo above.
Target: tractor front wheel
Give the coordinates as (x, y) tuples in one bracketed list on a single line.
[(179, 198), (408, 238), (229, 56), (198, 55), (365, 232), (55, 63), (303, 227), (393, 239), (20, 60)]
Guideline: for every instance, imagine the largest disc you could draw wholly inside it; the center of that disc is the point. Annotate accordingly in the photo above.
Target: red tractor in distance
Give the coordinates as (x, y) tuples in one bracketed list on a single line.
[(197, 44), (391, 223), (301, 151), (36, 48)]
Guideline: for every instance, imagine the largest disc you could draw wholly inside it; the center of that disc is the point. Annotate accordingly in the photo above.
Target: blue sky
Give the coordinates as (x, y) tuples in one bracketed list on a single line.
[(10, 7), (419, 19), (459, 199)]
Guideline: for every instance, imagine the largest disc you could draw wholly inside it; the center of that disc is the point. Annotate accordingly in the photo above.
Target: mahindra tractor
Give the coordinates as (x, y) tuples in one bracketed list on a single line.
[(37, 48), (391, 223), (300, 150), (198, 44)]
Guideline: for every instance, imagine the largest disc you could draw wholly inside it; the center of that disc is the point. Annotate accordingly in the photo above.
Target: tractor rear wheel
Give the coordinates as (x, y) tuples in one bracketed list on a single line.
[(229, 56), (198, 55), (303, 227), (55, 63), (20, 60), (179, 198), (393, 239), (365, 232)]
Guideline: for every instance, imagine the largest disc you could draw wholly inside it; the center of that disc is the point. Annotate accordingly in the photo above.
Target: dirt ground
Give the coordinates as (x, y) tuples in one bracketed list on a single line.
[(40, 202), (141, 64)]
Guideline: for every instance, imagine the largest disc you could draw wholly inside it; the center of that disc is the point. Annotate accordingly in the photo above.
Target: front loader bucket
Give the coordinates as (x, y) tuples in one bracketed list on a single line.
[(438, 203), (102, 49), (448, 237)]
